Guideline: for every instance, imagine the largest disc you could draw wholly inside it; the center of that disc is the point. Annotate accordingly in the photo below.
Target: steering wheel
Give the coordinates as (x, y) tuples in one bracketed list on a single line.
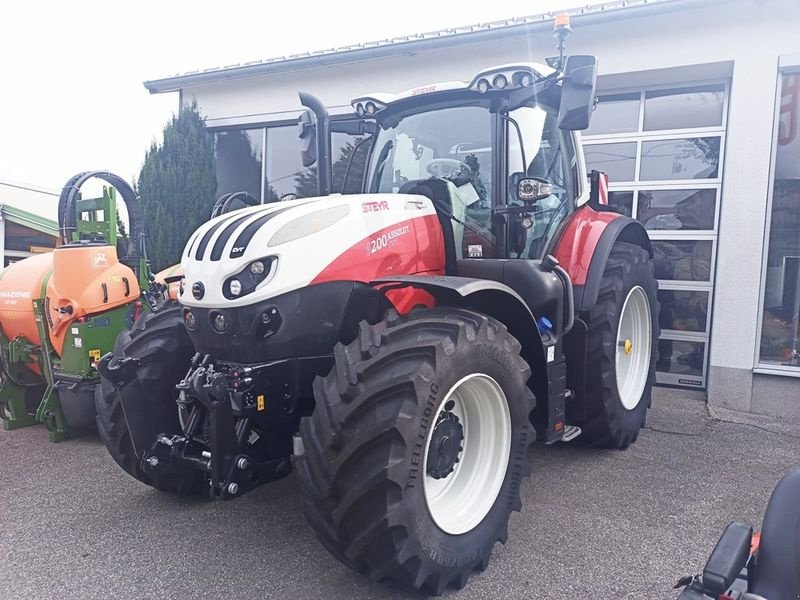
[(449, 168)]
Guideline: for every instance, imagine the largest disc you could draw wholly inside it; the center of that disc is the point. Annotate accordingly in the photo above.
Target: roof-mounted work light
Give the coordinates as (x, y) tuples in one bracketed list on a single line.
[(505, 77)]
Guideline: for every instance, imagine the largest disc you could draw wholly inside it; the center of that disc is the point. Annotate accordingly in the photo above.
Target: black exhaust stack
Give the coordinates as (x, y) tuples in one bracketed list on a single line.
[(315, 136)]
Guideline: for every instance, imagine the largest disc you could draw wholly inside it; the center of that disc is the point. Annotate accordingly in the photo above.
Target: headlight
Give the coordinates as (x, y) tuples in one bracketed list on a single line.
[(219, 322), (249, 278), (500, 81), (190, 320), (483, 86)]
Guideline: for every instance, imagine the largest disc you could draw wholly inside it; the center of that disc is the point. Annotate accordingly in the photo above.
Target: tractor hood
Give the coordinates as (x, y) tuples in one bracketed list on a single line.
[(249, 255)]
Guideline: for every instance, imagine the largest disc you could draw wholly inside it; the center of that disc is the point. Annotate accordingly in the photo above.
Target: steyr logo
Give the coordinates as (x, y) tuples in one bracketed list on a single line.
[(374, 206)]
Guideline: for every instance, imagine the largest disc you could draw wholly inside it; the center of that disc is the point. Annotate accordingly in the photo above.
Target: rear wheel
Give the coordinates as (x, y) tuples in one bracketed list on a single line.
[(413, 458), (622, 349), (159, 341)]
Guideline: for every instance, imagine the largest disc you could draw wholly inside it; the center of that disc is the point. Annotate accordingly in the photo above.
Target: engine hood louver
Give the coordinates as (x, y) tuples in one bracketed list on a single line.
[(198, 246)]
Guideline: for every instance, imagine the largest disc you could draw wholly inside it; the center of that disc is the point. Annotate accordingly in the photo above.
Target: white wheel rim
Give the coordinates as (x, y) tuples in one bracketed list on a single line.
[(459, 501), (634, 345)]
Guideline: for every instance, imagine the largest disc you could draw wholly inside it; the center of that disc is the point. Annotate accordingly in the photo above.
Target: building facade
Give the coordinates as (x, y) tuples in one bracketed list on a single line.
[(23, 234), (697, 125)]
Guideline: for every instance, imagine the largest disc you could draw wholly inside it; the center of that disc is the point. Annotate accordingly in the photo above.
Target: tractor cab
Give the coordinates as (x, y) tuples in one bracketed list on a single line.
[(498, 155), (505, 176)]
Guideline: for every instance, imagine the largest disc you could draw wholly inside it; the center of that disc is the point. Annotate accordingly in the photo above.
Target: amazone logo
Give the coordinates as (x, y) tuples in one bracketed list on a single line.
[(374, 206)]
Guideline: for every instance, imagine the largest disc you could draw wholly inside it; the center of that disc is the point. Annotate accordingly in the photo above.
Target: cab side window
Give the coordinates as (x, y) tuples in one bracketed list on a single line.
[(539, 150)]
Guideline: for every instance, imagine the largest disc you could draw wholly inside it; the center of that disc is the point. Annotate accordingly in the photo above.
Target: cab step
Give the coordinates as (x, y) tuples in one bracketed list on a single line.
[(570, 433)]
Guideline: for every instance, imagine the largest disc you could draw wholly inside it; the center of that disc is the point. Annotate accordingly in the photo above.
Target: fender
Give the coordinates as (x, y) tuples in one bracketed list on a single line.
[(585, 246), (496, 300)]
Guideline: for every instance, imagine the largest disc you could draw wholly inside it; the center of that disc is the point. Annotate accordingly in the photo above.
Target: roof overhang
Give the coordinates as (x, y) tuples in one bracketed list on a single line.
[(522, 26), (16, 215)]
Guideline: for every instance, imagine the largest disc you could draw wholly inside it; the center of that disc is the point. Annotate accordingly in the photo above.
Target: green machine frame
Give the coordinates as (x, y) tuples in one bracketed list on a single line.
[(67, 382)]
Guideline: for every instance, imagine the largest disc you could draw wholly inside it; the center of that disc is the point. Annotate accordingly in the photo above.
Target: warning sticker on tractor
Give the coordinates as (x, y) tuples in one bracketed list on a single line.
[(260, 403), (475, 250), (75, 331), (78, 342), (94, 354)]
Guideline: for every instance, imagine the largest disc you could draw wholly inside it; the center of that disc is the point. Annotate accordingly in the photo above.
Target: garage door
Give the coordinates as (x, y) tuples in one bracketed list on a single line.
[(662, 149)]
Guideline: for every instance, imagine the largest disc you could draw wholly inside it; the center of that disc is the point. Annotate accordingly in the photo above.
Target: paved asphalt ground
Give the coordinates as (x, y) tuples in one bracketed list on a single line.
[(595, 524)]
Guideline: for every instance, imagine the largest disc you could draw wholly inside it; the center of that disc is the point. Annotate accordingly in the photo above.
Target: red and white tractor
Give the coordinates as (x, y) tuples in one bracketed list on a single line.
[(402, 348)]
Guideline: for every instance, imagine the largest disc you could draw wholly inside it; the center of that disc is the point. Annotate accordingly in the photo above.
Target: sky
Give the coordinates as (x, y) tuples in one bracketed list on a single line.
[(71, 73)]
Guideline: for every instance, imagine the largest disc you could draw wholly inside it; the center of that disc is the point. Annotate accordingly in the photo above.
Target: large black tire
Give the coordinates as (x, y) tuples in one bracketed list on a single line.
[(160, 342), (362, 469), (607, 423)]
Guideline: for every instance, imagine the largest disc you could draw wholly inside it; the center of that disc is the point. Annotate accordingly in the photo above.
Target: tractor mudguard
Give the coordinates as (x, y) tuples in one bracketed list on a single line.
[(497, 300), (585, 246)]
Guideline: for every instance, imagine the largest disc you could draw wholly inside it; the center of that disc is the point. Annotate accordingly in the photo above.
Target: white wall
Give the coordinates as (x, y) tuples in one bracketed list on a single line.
[(750, 35)]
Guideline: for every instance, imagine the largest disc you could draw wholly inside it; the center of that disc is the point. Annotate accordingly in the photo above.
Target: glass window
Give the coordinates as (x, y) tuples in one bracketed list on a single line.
[(683, 310), (449, 143), (684, 108), (687, 158), (677, 209), (780, 329), (238, 161), (434, 143), (618, 161), (681, 357), (547, 154), (617, 113), (348, 174), (682, 260), (285, 173), (621, 202)]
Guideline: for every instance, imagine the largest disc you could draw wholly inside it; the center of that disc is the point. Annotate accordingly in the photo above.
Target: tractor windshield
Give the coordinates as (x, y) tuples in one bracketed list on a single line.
[(439, 143), (456, 144)]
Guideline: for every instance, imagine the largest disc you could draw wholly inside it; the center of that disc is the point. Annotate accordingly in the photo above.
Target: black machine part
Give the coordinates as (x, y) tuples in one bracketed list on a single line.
[(777, 568), (773, 573), (727, 559), (76, 396), (304, 322), (724, 567), (231, 202)]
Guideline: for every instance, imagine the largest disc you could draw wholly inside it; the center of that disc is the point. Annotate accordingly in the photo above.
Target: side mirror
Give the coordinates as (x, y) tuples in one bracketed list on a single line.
[(307, 132), (577, 92), (315, 140)]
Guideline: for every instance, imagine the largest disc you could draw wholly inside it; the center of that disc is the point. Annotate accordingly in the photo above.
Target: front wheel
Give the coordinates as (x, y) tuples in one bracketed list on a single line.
[(413, 458), (622, 349), (161, 345)]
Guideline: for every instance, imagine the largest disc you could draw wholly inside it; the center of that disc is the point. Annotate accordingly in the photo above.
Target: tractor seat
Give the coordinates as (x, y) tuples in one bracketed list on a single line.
[(438, 193), (777, 569)]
